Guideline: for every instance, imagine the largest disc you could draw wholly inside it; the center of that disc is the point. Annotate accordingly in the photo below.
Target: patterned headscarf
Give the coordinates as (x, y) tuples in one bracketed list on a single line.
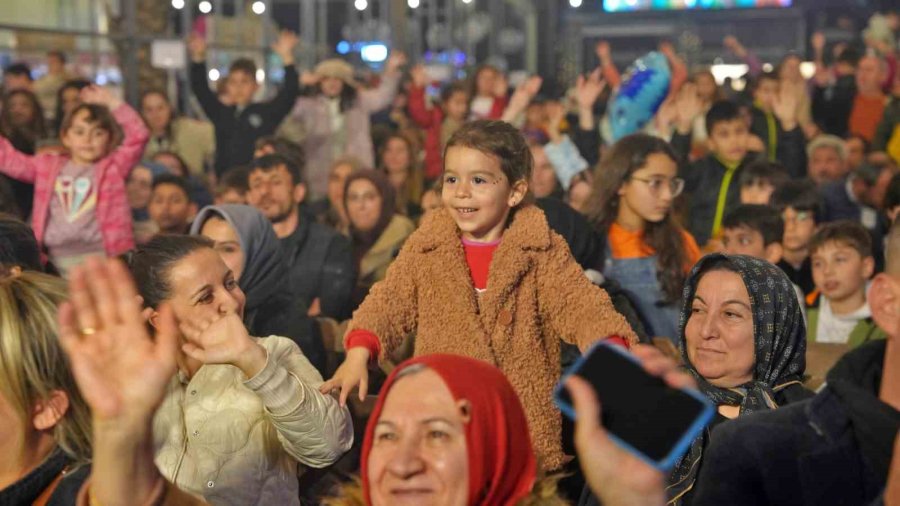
[(779, 337)]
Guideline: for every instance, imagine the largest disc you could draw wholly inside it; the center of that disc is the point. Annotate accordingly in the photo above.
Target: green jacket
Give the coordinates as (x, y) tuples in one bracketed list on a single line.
[(864, 331)]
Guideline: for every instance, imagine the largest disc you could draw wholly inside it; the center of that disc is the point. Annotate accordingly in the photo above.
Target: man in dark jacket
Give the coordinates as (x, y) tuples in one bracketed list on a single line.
[(320, 260), (239, 122)]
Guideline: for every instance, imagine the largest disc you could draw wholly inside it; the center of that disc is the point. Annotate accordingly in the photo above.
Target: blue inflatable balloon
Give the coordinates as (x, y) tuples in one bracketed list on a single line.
[(643, 89)]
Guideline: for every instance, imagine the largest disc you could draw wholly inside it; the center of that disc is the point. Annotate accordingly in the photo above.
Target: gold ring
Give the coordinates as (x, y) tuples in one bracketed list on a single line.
[(88, 331)]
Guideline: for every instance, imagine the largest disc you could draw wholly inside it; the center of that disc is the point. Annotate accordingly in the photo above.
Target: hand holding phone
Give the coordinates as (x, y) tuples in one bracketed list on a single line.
[(648, 406), (615, 471)]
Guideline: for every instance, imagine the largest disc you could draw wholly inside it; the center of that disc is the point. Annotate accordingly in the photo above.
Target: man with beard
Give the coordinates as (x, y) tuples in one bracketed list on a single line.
[(321, 273)]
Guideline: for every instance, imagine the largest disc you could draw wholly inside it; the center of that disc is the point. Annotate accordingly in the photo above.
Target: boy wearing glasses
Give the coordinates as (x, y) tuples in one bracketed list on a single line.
[(800, 206)]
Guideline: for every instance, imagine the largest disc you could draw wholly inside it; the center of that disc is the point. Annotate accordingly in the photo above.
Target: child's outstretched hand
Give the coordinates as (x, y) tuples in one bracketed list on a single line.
[(353, 373), (99, 95), (284, 46)]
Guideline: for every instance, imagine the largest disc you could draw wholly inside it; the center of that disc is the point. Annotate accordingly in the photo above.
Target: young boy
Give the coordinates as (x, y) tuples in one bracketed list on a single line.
[(757, 231), (170, 205), (842, 264), (800, 206), (754, 230), (240, 122), (233, 187), (772, 123), (712, 180), (760, 180)]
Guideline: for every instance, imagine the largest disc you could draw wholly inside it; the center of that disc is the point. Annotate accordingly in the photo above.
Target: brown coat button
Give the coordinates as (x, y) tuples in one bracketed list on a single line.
[(504, 317)]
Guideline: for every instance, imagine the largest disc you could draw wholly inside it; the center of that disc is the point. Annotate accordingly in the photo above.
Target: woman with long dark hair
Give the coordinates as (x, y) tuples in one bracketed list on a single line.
[(22, 123), (399, 161), (647, 251)]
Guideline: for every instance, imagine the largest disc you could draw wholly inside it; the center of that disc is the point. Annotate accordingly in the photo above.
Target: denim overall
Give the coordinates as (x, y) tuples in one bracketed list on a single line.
[(638, 279)]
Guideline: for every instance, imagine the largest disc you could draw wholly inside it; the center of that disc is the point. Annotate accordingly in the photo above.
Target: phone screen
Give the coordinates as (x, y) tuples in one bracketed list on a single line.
[(638, 409)]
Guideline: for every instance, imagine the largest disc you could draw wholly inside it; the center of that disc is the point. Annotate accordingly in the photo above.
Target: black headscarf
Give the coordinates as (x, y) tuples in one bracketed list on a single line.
[(363, 241), (779, 337)]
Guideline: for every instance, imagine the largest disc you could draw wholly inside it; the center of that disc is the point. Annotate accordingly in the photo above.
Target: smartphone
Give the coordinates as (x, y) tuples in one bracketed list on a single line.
[(640, 412)]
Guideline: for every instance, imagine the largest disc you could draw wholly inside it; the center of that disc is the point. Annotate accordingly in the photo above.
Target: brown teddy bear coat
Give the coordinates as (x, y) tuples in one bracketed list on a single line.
[(536, 295)]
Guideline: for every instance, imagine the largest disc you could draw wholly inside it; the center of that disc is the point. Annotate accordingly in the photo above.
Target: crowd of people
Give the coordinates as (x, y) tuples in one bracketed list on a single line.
[(365, 293)]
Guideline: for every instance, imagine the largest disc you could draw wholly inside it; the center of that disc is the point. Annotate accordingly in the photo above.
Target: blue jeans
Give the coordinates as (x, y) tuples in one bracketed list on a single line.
[(637, 276)]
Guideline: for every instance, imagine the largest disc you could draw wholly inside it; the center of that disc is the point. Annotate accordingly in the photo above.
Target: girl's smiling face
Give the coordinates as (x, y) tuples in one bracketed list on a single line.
[(478, 194)]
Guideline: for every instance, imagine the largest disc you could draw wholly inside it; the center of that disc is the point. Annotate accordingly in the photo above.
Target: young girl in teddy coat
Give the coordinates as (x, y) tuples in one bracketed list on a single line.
[(486, 277)]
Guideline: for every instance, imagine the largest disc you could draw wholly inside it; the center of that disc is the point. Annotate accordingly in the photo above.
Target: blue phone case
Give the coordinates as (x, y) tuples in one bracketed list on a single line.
[(668, 462)]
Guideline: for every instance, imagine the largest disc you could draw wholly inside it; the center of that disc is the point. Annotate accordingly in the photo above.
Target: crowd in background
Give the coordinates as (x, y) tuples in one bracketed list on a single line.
[(366, 292)]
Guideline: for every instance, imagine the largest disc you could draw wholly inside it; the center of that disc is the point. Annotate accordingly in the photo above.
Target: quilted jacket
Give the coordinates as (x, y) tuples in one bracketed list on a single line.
[(238, 441)]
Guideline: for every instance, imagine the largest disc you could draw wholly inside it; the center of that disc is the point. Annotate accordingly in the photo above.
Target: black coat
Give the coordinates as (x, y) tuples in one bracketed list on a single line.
[(803, 454), (320, 265), (237, 130)]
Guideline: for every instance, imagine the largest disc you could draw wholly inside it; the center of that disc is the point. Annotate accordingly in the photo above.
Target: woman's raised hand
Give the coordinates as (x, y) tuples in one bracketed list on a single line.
[(121, 369), (353, 373), (223, 340)]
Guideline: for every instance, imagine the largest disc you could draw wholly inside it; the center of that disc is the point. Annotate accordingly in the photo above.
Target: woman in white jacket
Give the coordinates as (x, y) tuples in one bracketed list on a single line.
[(242, 415)]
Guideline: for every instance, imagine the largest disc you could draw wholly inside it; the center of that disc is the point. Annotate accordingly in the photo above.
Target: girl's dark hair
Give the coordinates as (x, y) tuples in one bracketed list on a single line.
[(99, 114), (665, 237), (455, 87), (150, 264), (23, 137), (801, 195), (74, 84), (498, 139), (347, 97)]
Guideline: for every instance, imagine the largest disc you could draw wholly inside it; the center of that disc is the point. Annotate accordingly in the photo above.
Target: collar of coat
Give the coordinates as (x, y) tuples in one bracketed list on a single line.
[(528, 230)]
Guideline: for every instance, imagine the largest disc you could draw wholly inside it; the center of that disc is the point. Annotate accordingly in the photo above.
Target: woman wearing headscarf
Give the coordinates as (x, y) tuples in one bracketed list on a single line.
[(743, 339), (376, 229), (248, 245), (724, 297), (461, 422), (335, 119)]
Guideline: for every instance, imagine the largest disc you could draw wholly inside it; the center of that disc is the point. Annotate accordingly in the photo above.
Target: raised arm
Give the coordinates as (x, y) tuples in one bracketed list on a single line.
[(380, 97), (16, 164), (575, 309), (416, 107), (754, 65), (283, 101), (610, 72), (199, 84), (122, 372), (130, 151)]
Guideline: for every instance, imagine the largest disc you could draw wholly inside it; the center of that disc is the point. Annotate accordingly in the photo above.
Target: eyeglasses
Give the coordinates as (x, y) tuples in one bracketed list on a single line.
[(676, 184)]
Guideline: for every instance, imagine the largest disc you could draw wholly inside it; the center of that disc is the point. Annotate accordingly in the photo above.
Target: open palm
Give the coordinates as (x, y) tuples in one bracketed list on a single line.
[(121, 370)]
